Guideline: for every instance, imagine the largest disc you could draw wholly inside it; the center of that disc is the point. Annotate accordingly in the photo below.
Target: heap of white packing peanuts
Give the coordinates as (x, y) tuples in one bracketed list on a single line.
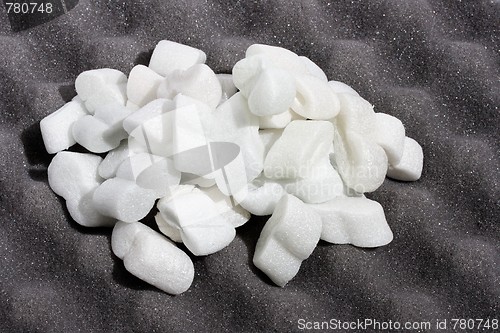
[(208, 150)]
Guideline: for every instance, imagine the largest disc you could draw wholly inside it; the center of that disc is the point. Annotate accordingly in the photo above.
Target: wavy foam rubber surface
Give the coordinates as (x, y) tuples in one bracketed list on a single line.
[(433, 64)]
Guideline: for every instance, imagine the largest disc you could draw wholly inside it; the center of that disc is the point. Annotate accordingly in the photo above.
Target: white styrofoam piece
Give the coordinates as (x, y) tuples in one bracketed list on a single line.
[(155, 134), (153, 258), (101, 86), (297, 151), (159, 177), (132, 166), (95, 135), (321, 184), (149, 111), (228, 208), (410, 166), (142, 85), (269, 137), (288, 238), (188, 134), (273, 92), (278, 121), (203, 230), (361, 163), (279, 57), (107, 168), (389, 133), (56, 128), (353, 220), (342, 88), (74, 176), (262, 197), (124, 234), (169, 56), (356, 115), (113, 114), (167, 229), (198, 82), (233, 122), (156, 260), (315, 99), (313, 69), (123, 199), (246, 71)]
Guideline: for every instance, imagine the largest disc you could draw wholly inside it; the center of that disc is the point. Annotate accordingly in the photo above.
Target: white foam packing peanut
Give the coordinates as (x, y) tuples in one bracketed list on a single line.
[(109, 166), (300, 162), (203, 230), (149, 171), (132, 166), (411, 163), (342, 88), (262, 197), (313, 69), (246, 71), (321, 184), (153, 126), (159, 177), (228, 209), (230, 175), (296, 152), (188, 134), (273, 92), (131, 106), (389, 133), (278, 120), (360, 161), (56, 128), (123, 199), (358, 221), (103, 131), (154, 132), (269, 88), (74, 177), (198, 81), (151, 110), (355, 114), (167, 229), (142, 85), (215, 148), (269, 137), (152, 257), (278, 57), (288, 238), (101, 86), (169, 56), (233, 122), (315, 99), (91, 133)]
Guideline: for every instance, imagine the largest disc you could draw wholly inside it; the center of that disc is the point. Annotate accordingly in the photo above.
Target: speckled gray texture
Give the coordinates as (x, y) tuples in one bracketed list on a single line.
[(433, 64)]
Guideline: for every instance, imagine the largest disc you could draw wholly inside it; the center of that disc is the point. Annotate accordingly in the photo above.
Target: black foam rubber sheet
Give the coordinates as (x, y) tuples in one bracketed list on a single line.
[(434, 64)]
